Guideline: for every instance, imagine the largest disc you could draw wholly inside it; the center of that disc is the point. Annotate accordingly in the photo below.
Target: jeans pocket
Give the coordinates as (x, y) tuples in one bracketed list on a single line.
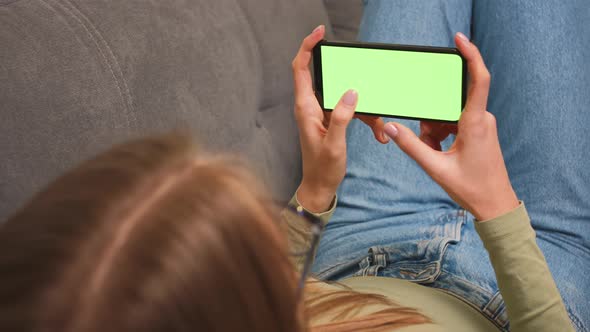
[(418, 259), (341, 270)]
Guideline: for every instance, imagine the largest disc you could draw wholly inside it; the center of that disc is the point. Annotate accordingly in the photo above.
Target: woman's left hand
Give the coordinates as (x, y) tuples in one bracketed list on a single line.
[(472, 171), (323, 134)]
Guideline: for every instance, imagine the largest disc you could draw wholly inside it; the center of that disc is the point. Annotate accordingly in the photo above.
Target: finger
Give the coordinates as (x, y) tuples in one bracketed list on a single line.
[(430, 160), (433, 143), (340, 118), (326, 120), (438, 129), (300, 64), (432, 133), (479, 84), (376, 123)]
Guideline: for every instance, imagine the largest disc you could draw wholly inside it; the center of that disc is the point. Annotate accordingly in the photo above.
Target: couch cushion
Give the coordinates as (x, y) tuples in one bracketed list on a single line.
[(79, 76), (345, 17)]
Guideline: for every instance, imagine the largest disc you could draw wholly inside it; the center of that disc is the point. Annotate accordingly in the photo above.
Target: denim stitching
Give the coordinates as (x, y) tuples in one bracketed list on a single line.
[(576, 321), (481, 289), (371, 264), (334, 269), (503, 329), (495, 309), (493, 303)]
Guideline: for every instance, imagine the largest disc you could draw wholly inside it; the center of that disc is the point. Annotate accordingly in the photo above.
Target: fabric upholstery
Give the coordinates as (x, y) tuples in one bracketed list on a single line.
[(345, 16), (77, 76)]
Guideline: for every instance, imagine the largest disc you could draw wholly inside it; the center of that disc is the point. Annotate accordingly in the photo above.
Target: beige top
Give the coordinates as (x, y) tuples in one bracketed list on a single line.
[(521, 271)]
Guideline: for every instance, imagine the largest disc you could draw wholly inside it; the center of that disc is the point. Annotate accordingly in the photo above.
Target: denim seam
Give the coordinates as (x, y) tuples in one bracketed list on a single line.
[(495, 310), (351, 262), (461, 217), (413, 265), (576, 321), (490, 294), (455, 237), (435, 264), (416, 279), (472, 306), (492, 315), (502, 311), (326, 271), (442, 248)]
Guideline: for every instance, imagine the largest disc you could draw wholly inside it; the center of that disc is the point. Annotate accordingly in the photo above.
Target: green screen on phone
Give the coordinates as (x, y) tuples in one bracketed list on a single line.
[(423, 85)]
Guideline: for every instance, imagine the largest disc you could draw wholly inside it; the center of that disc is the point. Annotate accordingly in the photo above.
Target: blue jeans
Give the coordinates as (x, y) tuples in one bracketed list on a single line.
[(393, 220)]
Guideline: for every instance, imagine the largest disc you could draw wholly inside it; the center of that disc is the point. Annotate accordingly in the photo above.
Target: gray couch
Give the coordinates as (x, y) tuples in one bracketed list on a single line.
[(77, 76)]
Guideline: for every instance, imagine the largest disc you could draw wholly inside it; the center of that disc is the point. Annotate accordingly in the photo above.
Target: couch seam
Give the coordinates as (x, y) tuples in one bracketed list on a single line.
[(126, 95), (258, 53), (7, 2), (109, 59)]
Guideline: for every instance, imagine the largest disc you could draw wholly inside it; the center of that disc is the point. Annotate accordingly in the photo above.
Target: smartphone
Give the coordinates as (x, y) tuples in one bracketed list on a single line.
[(401, 81)]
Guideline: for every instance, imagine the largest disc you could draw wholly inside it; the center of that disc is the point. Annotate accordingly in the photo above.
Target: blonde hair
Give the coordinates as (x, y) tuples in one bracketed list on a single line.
[(156, 236)]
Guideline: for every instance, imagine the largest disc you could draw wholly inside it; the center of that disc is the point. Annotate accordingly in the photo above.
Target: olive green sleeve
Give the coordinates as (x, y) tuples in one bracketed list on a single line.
[(299, 233), (532, 300)]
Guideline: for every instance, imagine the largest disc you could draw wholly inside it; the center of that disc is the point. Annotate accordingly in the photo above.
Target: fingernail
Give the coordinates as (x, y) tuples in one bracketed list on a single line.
[(390, 130), (350, 97), (463, 37), (385, 137), (318, 28)]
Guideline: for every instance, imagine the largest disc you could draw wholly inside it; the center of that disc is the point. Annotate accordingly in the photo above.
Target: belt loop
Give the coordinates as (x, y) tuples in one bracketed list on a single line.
[(370, 265)]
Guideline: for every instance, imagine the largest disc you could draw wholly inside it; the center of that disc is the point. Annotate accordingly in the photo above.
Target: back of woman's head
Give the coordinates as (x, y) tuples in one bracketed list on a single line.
[(149, 236)]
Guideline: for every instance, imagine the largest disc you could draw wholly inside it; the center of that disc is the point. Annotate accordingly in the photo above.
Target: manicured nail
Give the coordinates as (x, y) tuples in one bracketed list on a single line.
[(318, 28), (350, 97), (390, 130), (463, 37)]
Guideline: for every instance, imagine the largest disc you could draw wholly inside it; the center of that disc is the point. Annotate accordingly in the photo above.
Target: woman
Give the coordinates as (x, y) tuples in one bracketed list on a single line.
[(152, 236)]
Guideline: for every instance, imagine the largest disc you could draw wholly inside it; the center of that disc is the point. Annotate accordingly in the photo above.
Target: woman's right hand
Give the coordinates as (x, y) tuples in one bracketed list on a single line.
[(323, 134), (472, 171)]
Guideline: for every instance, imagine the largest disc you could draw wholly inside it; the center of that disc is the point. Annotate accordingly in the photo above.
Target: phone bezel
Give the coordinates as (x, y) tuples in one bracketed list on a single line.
[(318, 81)]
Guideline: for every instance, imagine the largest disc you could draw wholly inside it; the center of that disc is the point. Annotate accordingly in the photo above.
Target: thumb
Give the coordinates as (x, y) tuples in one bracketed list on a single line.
[(341, 116), (429, 159)]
